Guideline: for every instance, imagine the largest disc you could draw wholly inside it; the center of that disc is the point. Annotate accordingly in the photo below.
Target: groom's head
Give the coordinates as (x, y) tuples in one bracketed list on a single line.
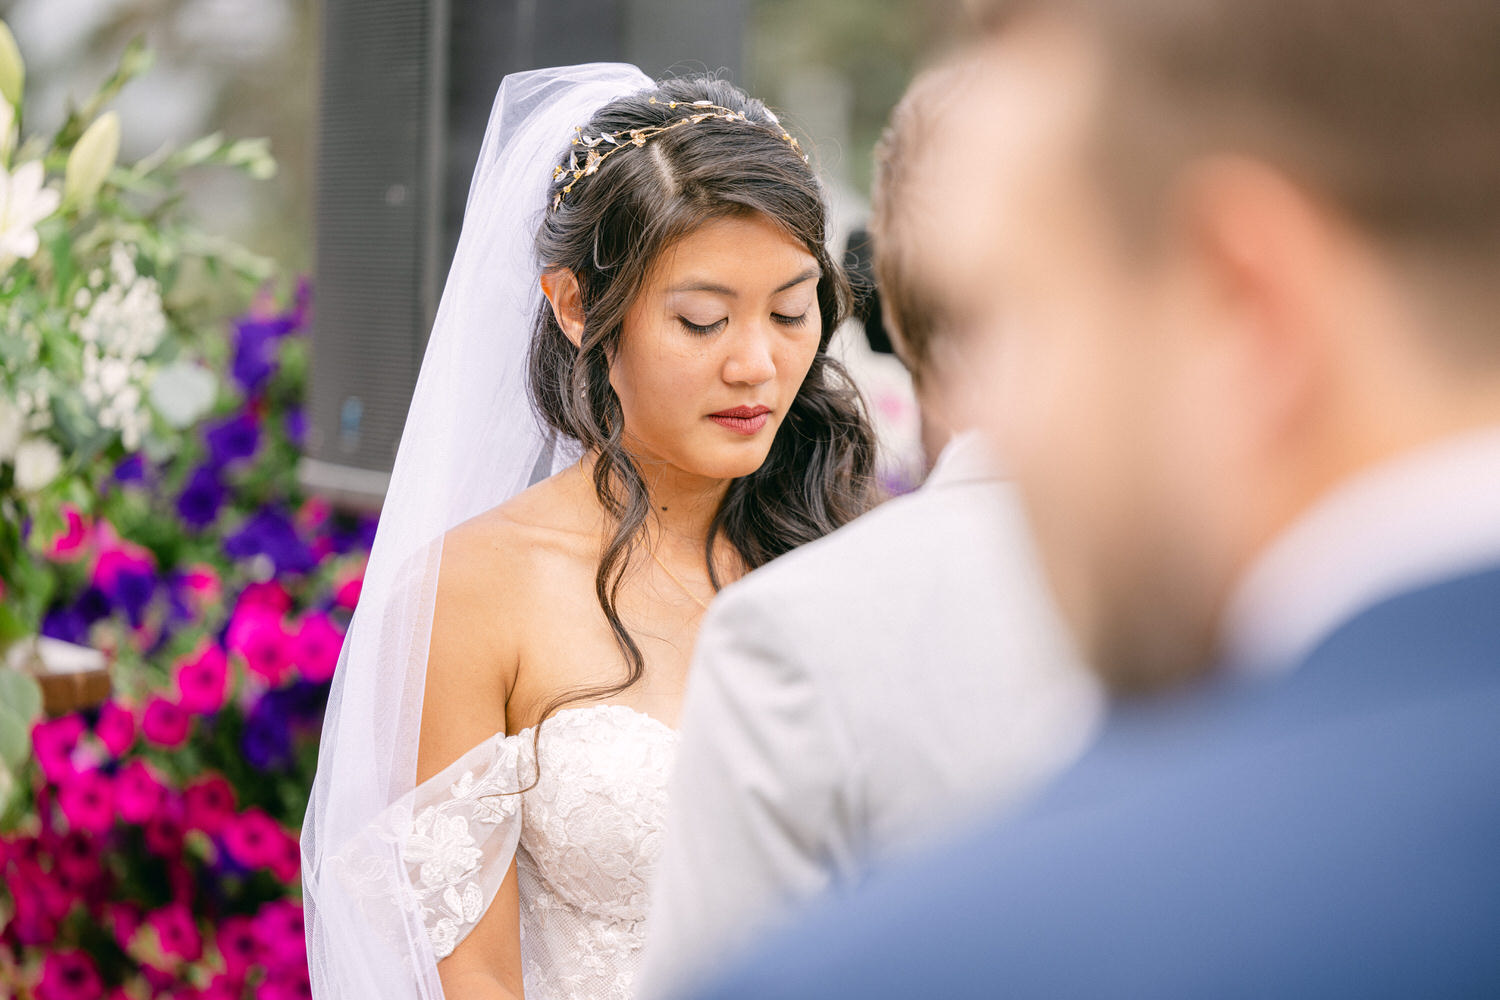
[(1225, 255)]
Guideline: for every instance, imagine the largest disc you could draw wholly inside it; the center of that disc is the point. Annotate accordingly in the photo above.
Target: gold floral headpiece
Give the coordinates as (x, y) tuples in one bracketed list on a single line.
[(616, 141)]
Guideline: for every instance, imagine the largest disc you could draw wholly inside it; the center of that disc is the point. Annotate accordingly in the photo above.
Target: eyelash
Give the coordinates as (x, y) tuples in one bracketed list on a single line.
[(703, 331)]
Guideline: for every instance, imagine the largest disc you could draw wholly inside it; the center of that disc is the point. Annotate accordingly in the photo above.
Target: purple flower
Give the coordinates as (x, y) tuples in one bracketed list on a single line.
[(254, 355), (296, 426), (131, 470), (232, 439), (270, 532), (66, 624), (267, 742), (201, 498)]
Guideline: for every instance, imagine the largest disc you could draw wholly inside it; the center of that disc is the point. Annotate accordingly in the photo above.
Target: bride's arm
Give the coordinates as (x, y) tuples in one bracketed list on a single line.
[(470, 670)]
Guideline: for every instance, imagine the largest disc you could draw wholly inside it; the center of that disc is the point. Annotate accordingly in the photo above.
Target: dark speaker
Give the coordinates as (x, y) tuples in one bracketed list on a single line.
[(407, 87)]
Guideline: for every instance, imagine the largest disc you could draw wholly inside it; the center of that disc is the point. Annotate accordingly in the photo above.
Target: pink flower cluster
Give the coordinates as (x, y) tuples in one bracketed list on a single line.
[(274, 647), (90, 804)]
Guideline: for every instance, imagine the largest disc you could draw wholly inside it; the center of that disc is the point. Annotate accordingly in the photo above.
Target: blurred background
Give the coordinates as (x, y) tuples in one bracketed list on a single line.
[(374, 110)]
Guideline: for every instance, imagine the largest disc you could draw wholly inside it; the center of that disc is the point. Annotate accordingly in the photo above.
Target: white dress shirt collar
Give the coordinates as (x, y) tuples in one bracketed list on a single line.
[(966, 458), (1413, 521)]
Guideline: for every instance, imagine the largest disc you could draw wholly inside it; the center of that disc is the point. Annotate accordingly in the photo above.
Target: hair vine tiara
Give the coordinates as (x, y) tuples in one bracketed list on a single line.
[(616, 141)]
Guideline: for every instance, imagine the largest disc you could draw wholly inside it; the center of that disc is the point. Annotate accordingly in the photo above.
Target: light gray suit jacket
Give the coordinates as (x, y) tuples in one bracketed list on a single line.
[(852, 699)]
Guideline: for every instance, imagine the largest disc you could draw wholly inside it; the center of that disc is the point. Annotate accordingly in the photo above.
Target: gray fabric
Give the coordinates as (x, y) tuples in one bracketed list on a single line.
[(852, 699)]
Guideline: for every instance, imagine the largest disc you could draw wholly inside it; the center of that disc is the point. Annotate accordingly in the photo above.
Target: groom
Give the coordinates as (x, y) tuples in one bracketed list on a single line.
[(1236, 262), (856, 695)]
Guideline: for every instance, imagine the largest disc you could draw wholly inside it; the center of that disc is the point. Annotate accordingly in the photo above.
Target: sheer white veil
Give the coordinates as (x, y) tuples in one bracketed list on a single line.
[(471, 441)]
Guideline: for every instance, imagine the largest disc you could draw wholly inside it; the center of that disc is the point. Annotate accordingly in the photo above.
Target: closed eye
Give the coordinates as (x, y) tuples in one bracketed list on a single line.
[(702, 331), (790, 320)]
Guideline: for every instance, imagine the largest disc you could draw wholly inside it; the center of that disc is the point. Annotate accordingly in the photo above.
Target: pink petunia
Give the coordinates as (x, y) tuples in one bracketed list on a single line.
[(76, 862), (122, 920), (239, 945), (285, 984), (74, 539), (268, 596), (164, 835), (139, 792), (69, 975), (115, 728), (36, 904), (54, 741), (316, 647), (177, 934), (313, 512), (256, 633), (203, 585), (346, 593), (283, 937), (252, 838), (87, 800), (203, 680), (164, 723), (210, 804), (121, 557), (286, 863)]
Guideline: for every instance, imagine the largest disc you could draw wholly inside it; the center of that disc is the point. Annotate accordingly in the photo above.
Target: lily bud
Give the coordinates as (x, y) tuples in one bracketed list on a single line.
[(12, 67), (91, 160), (7, 132)]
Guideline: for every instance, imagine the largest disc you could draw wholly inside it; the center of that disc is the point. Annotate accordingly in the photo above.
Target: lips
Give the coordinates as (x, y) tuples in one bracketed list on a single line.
[(746, 420)]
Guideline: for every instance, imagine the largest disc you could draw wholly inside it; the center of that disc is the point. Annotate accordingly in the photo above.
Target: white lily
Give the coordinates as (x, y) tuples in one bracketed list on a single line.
[(91, 160), (24, 202), (12, 67)]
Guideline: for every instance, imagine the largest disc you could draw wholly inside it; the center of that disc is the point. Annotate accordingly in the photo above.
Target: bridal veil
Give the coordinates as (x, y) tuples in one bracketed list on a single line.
[(470, 442)]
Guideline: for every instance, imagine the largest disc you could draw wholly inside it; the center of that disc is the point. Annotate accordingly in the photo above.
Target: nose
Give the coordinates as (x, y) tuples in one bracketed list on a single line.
[(751, 359)]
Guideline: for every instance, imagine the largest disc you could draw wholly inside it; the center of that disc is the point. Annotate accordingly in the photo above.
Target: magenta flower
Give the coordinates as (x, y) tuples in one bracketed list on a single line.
[(270, 596), (239, 945), (252, 838), (37, 905), (210, 804), (164, 835), (73, 540), (54, 742), (203, 680), (285, 984), (257, 635), (115, 728), (75, 862), (69, 975), (87, 800), (283, 938), (286, 864), (346, 595), (176, 932), (139, 792), (122, 920), (316, 647), (202, 585), (165, 723)]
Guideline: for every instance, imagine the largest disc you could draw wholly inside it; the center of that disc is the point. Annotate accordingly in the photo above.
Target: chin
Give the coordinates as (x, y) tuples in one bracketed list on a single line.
[(733, 462)]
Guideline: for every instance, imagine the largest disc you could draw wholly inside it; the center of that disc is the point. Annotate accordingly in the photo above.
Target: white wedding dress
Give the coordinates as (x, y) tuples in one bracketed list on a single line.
[(584, 838)]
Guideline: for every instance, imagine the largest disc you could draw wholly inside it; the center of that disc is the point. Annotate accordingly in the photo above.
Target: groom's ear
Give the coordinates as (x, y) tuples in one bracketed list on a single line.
[(560, 285)]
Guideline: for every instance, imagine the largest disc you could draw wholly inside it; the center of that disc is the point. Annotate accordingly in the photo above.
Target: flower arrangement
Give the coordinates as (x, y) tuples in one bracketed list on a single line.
[(148, 846), (109, 296)]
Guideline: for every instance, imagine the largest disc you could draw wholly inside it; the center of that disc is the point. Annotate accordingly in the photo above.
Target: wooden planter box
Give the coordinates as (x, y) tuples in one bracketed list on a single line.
[(71, 677)]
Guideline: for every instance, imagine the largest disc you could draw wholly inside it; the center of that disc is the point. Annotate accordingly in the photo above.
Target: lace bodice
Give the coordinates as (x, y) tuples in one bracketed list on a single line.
[(585, 840)]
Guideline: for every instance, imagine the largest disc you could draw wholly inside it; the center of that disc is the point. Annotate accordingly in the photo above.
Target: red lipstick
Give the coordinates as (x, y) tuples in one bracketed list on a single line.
[(746, 420)]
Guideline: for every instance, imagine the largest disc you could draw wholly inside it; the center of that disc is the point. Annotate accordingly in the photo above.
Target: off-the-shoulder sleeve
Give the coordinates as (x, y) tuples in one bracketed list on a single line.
[(452, 838)]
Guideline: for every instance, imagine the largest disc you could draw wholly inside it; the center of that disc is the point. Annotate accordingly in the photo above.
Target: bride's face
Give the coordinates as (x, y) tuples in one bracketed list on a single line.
[(716, 345)]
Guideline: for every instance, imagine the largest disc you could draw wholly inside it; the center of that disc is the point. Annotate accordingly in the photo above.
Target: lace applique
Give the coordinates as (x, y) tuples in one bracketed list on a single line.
[(585, 839)]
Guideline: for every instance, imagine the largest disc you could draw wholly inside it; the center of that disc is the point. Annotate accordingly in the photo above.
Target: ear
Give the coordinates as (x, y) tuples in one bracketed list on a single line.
[(1266, 253), (560, 285)]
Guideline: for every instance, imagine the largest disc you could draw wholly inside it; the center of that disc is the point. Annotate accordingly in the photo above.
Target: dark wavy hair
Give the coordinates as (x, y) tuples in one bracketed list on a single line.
[(609, 230)]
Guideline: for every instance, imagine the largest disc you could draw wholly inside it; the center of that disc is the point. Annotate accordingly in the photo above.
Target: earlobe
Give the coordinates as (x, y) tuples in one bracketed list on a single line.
[(560, 285)]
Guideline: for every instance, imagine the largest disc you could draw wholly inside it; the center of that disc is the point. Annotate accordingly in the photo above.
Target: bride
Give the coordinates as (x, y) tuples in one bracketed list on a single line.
[(636, 322)]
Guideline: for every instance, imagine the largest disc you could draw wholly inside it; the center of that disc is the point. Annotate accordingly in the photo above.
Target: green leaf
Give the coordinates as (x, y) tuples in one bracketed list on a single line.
[(20, 705)]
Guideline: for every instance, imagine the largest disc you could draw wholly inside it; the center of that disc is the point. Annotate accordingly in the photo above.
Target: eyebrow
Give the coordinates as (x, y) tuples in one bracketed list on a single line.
[(729, 293)]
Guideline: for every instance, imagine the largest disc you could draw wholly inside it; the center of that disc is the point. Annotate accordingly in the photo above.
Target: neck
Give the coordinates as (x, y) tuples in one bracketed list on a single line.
[(683, 505)]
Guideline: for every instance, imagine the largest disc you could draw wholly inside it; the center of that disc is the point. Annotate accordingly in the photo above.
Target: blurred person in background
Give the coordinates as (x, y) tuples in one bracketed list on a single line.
[(1232, 265), (863, 693)]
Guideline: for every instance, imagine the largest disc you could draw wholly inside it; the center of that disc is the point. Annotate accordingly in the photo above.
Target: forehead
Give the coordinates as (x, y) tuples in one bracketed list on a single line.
[(746, 249)]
